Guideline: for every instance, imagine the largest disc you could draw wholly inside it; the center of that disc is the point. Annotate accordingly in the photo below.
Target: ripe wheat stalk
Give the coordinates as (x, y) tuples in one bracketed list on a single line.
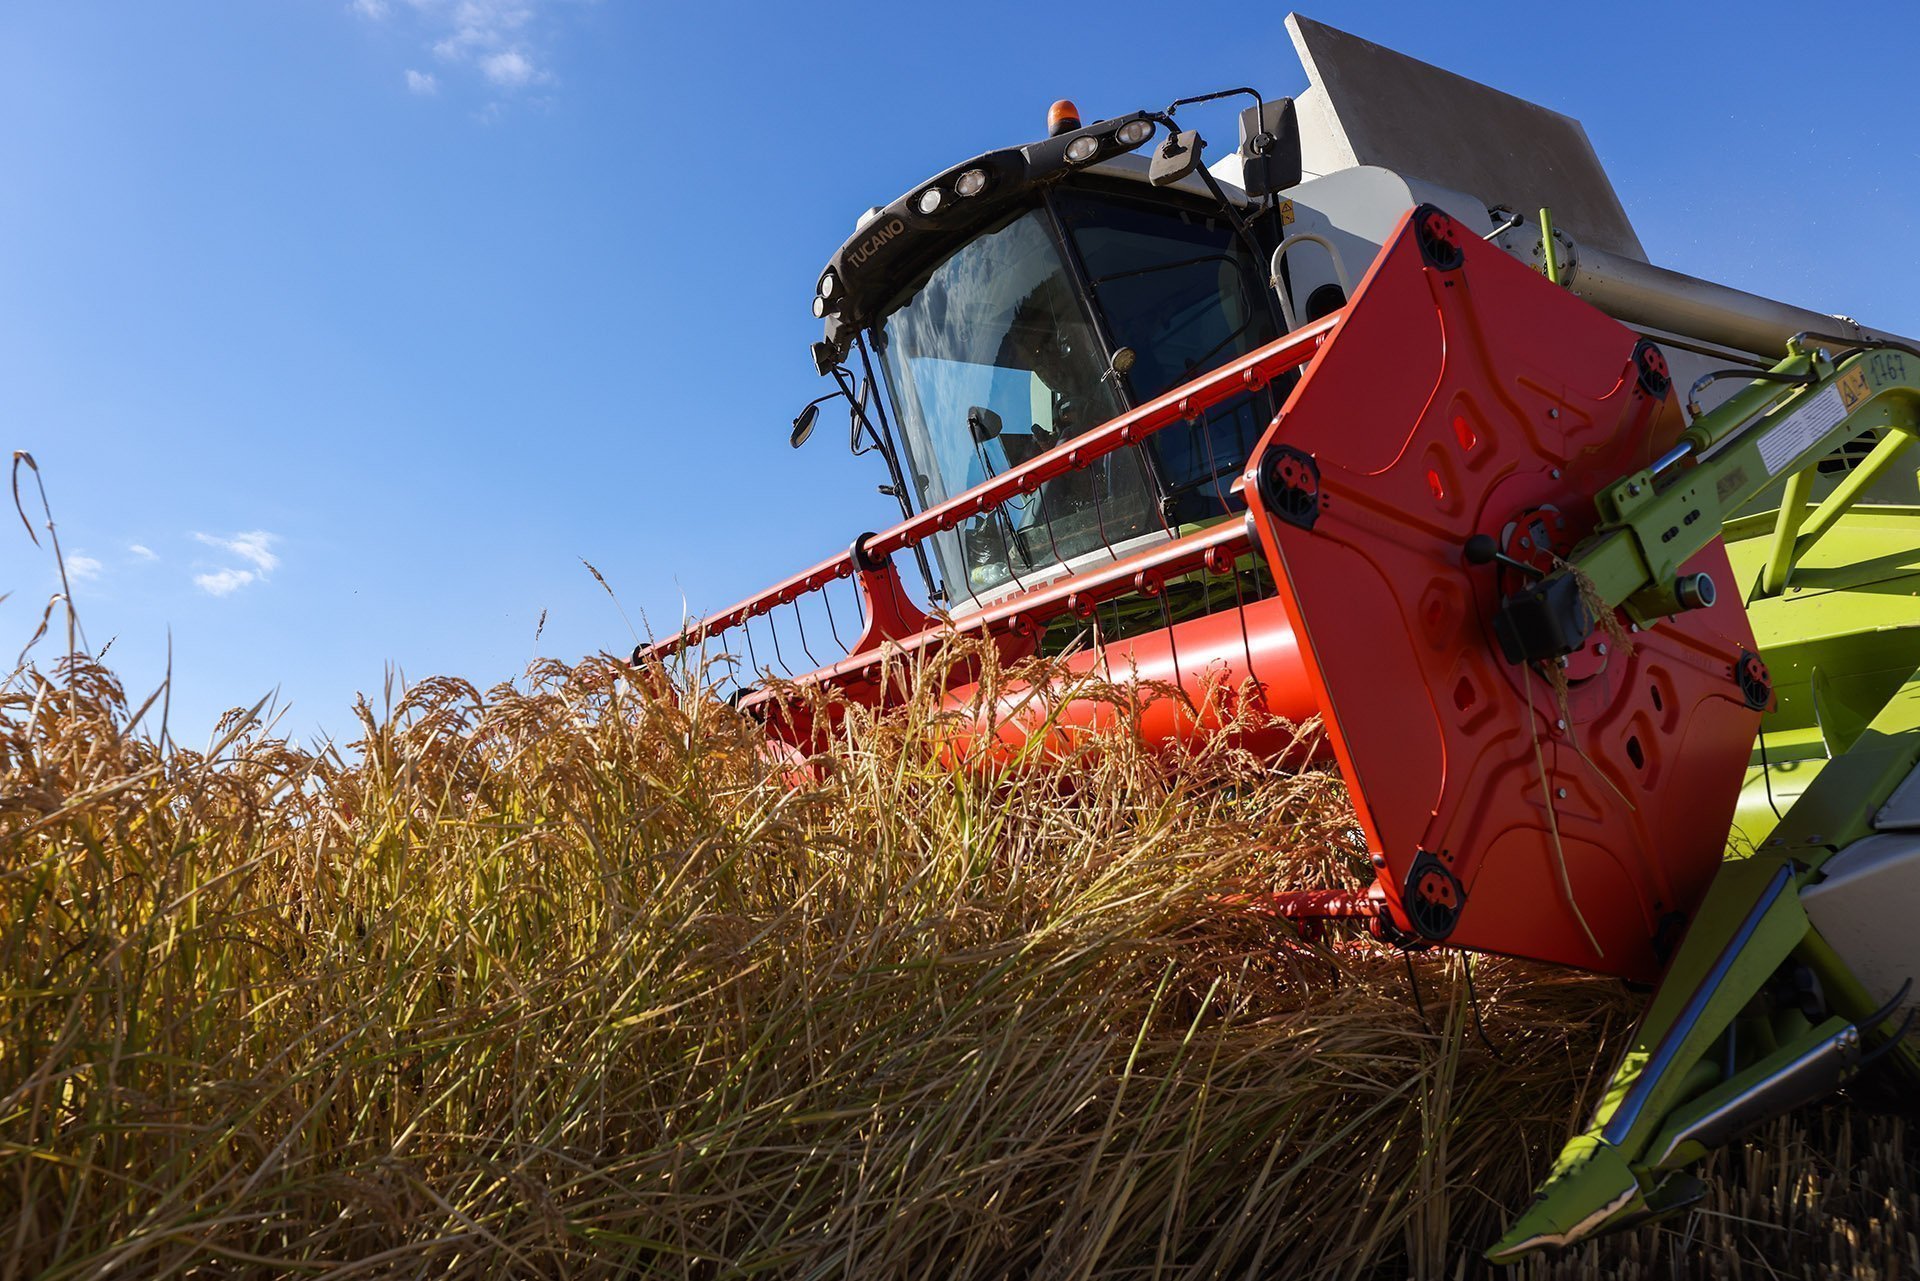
[(566, 977)]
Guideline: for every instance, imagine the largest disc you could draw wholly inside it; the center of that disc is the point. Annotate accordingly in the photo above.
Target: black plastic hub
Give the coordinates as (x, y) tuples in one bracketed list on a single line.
[(1543, 620), (1433, 897), (1289, 482)]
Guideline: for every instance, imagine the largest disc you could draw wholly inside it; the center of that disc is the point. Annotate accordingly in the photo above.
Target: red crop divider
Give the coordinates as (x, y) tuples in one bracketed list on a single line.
[(890, 613), (1253, 370)]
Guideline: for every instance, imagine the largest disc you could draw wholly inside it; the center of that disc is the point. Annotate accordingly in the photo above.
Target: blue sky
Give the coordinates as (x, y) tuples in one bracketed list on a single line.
[(343, 329)]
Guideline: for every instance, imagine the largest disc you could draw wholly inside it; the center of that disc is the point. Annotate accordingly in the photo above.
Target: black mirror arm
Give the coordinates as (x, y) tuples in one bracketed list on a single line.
[(1240, 230), (862, 425), (896, 475), (1245, 235), (1211, 97)]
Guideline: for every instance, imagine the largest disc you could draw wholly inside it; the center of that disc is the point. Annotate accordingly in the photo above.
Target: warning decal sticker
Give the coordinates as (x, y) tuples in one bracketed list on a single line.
[(1853, 388), (1800, 429)]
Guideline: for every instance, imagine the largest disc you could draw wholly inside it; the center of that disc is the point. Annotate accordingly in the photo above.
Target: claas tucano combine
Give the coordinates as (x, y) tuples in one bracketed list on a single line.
[(1603, 580)]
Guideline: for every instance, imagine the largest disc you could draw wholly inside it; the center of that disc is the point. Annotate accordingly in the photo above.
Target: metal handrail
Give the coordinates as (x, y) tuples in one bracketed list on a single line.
[(1279, 256), (1253, 370)]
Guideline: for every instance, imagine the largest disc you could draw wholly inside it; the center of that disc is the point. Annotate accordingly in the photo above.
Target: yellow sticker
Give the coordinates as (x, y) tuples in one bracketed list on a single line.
[(1286, 212), (1853, 388)]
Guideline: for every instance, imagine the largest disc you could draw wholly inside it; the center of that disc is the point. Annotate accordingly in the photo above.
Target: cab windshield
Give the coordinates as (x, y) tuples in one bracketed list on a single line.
[(996, 357), (1178, 286), (991, 361)]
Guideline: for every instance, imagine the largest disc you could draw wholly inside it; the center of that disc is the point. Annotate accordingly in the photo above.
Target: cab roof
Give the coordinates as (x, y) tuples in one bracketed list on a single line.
[(895, 243)]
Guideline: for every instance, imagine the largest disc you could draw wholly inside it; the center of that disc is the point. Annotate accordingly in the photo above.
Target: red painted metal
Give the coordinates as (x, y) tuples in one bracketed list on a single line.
[(1458, 394), (1189, 681), (890, 612), (1313, 905), (1208, 665), (1309, 911)]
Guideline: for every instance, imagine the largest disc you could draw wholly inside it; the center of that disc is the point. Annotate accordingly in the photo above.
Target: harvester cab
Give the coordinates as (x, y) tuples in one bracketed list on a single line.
[(1601, 578), (1027, 295)]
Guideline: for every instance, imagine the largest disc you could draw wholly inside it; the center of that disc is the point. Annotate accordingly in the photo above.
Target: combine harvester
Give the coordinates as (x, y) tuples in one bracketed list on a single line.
[(1602, 577)]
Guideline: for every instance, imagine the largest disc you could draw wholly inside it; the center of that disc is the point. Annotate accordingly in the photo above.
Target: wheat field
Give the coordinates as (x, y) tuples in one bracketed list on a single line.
[(563, 978)]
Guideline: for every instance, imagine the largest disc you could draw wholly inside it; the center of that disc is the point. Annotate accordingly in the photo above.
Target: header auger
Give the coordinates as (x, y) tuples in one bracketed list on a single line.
[(1617, 679)]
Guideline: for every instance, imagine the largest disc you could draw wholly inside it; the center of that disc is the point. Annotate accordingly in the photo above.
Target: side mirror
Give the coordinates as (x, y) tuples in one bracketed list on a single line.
[(803, 425), (983, 423), (1269, 148), (1177, 157)]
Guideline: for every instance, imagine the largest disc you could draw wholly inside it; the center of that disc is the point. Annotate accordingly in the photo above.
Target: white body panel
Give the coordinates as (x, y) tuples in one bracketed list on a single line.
[(1868, 901)]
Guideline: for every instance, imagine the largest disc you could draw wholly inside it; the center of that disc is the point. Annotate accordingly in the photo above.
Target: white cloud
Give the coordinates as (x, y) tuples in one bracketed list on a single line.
[(143, 551), (254, 545), (224, 582), (498, 39), (509, 69), (477, 26), (82, 566)]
